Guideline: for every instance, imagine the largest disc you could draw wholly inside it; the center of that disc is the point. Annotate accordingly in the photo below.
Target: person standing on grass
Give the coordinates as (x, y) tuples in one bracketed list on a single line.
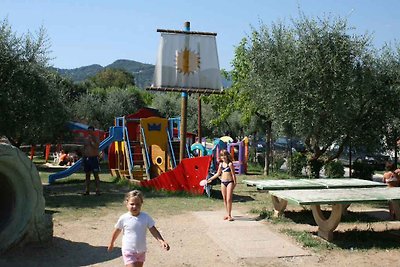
[(91, 160), (228, 181), (133, 224)]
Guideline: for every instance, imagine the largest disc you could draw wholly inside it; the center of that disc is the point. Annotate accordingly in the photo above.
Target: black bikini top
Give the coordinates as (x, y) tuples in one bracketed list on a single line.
[(226, 169)]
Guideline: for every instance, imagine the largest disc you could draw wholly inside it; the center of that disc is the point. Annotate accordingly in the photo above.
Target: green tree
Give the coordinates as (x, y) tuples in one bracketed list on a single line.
[(238, 101), (389, 69), (322, 81), (30, 95), (237, 96), (100, 107), (113, 78), (72, 90), (314, 80), (169, 105)]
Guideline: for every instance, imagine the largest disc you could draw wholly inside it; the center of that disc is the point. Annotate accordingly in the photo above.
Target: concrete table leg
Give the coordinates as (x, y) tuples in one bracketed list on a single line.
[(345, 209), (279, 206), (327, 226), (394, 207)]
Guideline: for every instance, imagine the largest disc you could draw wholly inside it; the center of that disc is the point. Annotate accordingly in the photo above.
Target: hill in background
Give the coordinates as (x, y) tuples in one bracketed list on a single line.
[(143, 72)]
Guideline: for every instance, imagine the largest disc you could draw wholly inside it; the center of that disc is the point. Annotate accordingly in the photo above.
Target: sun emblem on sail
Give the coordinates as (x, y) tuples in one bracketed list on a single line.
[(187, 61)]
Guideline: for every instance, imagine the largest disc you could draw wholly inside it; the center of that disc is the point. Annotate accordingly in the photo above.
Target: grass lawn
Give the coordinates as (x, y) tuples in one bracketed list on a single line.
[(64, 201)]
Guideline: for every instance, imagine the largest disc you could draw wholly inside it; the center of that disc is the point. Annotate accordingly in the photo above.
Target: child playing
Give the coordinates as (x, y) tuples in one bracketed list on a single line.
[(228, 181), (133, 224)]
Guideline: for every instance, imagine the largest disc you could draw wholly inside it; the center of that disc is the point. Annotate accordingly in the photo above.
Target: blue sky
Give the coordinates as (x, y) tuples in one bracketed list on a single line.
[(84, 32)]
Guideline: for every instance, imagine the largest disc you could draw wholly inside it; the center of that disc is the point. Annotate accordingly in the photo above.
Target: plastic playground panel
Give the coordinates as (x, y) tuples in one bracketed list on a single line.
[(185, 177)]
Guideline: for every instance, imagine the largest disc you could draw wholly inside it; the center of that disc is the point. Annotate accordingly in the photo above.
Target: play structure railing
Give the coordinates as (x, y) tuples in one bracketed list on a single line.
[(128, 147), (171, 126), (188, 151), (120, 121), (146, 152), (171, 149)]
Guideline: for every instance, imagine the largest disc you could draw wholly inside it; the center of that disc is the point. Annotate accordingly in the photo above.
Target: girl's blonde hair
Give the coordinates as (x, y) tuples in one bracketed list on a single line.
[(225, 152), (134, 193)]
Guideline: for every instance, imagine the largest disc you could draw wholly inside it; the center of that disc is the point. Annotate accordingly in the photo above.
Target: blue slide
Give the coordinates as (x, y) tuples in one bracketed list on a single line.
[(116, 134)]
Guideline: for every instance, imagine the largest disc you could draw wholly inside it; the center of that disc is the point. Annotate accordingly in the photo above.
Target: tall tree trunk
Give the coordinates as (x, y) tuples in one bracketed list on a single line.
[(395, 154), (268, 150), (350, 160)]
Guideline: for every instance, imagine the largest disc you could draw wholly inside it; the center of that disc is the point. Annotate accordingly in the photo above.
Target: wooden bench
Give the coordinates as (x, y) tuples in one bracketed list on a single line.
[(338, 198)]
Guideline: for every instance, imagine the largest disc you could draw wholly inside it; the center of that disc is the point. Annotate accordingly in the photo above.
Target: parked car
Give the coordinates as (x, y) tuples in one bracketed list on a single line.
[(281, 144), (261, 146), (284, 143), (377, 160)]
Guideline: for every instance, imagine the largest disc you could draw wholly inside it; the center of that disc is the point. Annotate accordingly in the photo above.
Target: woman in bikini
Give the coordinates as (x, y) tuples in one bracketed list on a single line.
[(228, 181)]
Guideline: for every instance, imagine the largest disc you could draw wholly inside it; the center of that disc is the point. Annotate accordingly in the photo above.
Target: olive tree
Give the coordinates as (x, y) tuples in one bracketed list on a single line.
[(31, 97), (322, 81), (316, 80), (169, 105), (99, 107), (110, 77), (254, 114)]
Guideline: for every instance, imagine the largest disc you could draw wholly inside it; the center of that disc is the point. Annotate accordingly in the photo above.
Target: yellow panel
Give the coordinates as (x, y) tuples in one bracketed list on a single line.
[(155, 130), (123, 147), (116, 146), (159, 164)]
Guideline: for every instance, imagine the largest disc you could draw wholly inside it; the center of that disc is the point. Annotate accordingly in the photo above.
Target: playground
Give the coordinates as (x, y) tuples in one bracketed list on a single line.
[(49, 220), (189, 216), (194, 228)]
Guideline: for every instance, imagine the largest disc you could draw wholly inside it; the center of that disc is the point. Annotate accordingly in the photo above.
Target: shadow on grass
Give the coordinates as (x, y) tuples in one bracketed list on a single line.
[(359, 239), (59, 252), (349, 240), (69, 193), (48, 170), (353, 238), (77, 186), (242, 198), (216, 194), (306, 217), (57, 200)]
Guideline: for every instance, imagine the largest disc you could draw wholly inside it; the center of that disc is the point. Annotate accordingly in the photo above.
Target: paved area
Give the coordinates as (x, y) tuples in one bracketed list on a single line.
[(247, 238)]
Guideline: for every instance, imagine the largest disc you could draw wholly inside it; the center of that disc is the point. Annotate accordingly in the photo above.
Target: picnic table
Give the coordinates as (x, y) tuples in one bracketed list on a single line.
[(290, 184), (338, 198), (316, 189), (293, 184)]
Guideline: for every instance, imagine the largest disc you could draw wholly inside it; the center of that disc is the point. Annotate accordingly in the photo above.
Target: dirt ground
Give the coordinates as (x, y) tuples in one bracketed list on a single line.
[(84, 243)]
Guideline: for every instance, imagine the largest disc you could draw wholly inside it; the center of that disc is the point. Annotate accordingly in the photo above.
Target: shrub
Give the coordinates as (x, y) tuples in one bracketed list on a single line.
[(334, 169), (261, 159), (363, 170), (298, 162), (315, 167), (278, 162)]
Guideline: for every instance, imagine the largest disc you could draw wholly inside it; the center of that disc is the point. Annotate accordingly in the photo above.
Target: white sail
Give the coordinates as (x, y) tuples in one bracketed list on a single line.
[(188, 61)]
